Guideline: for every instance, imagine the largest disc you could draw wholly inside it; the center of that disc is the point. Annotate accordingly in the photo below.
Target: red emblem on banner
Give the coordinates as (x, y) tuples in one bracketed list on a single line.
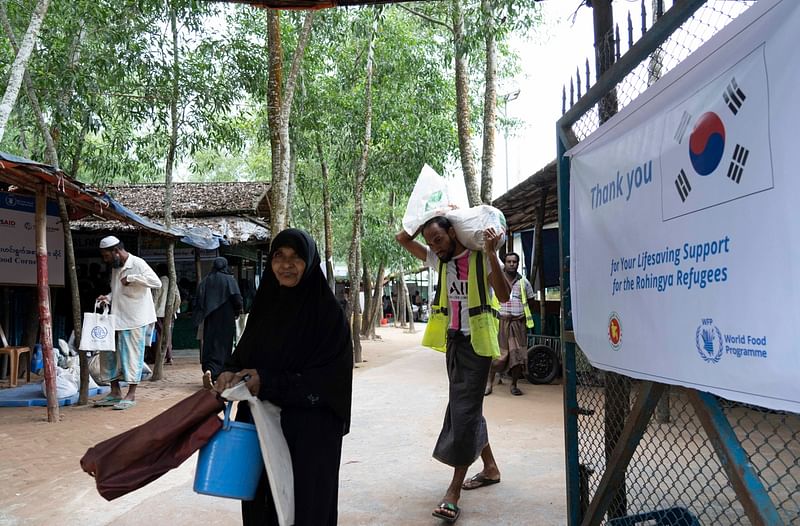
[(614, 331)]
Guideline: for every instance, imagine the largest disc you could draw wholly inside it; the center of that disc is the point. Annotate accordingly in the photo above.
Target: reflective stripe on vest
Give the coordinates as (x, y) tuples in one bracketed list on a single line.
[(525, 307), (482, 327)]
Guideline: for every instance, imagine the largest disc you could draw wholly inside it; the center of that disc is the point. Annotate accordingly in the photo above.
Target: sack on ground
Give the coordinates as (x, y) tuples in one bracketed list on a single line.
[(470, 224), (428, 199), (98, 331), (65, 384)]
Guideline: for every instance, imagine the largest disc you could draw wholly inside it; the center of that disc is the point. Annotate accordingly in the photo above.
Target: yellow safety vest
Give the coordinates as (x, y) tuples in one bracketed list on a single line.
[(482, 319), (523, 298)]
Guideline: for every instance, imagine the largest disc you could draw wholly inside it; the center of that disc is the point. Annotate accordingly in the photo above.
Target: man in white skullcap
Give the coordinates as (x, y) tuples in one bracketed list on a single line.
[(132, 305)]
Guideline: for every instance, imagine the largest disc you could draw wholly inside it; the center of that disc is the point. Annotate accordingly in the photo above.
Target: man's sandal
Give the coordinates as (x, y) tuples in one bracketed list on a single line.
[(447, 511), (108, 401), (124, 404), (478, 481)]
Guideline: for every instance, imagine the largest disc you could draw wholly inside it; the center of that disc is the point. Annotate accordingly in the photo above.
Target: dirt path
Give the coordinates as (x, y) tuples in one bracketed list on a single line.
[(387, 476)]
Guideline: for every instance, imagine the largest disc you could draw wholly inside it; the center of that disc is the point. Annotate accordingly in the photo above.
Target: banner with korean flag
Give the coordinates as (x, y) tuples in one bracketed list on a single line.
[(685, 235)]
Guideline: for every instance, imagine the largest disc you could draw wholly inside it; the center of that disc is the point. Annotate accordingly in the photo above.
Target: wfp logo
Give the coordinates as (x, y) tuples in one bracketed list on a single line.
[(708, 340), (615, 331), (716, 142), (99, 332)]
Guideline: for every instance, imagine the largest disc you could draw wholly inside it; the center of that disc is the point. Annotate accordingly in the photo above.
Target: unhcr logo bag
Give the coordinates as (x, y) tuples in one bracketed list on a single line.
[(97, 333)]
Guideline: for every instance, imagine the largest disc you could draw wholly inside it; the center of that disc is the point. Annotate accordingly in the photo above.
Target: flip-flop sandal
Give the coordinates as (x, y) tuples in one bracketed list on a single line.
[(478, 481), (124, 404), (108, 401), (515, 391), (441, 512)]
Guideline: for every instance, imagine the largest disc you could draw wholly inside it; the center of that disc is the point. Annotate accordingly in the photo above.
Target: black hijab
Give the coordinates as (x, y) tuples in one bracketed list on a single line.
[(300, 329), (214, 291)]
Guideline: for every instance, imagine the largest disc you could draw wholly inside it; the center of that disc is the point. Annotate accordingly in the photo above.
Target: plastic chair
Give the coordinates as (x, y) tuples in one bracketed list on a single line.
[(14, 353)]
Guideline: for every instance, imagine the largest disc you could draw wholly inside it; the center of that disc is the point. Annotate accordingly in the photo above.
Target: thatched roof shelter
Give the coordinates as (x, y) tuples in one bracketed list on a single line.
[(82, 200), (197, 199), (235, 212)]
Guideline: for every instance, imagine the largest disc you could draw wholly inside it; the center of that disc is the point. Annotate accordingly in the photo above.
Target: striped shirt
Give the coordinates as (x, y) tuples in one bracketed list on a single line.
[(513, 307)]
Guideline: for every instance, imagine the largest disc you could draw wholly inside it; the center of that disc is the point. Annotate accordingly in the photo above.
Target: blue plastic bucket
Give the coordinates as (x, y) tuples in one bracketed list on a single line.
[(230, 463)]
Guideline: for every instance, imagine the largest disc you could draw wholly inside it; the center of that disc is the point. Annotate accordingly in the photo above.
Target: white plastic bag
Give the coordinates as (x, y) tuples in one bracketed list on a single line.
[(274, 450), (98, 330), (428, 199), (470, 224)]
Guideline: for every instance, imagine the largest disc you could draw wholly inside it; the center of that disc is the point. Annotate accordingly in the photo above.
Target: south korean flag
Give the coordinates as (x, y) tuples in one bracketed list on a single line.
[(715, 146)]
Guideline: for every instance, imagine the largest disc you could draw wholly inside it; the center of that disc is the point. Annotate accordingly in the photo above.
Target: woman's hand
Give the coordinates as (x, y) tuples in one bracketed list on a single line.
[(253, 381), (229, 379), (225, 380)]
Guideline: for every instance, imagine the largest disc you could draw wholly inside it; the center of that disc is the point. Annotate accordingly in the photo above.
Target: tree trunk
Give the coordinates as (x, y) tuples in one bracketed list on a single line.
[(366, 316), (280, 107), (20, 65), (462, 107), (76, 158), (51, 157), (165, 339), (354, 263), (50, 153), (67, 88), (169, 311), (72, 275), (326, 216), (274, 85), (377, 303), (489, 103), (408, 312)]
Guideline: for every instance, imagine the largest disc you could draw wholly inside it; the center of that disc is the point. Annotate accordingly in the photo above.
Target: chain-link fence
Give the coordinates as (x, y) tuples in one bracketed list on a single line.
[(675, 466)]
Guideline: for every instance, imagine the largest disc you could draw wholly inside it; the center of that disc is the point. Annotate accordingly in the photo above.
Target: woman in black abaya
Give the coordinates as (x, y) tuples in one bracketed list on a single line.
[(298, 354), (217, 306)]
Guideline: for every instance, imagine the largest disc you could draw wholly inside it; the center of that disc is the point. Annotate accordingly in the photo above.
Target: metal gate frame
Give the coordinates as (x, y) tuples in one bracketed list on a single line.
[(733, 457)]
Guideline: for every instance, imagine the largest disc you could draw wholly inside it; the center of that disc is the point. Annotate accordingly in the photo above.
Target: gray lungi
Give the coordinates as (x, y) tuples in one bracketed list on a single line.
[(464, 433)]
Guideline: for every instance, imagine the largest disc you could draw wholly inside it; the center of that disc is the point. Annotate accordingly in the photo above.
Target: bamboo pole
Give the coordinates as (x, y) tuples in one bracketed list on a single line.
[(45, 323)]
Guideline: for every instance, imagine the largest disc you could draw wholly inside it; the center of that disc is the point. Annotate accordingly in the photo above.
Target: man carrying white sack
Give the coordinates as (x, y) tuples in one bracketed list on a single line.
[(462, 324), (133, 309)]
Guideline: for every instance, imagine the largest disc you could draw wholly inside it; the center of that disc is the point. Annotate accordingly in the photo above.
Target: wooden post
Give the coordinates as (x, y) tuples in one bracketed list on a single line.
[(538, 234), (45, 323), (198, 270), (75, 299)]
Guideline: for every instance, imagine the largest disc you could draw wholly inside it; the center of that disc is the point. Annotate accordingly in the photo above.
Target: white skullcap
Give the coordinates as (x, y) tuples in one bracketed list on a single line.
[(109, 241)]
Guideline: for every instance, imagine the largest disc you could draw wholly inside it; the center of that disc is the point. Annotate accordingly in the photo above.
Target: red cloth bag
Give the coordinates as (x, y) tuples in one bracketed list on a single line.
[(140, 455)]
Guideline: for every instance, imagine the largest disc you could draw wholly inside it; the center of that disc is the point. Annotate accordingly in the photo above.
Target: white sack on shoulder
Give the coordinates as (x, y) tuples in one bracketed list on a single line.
[(428, 199), (470, 224)]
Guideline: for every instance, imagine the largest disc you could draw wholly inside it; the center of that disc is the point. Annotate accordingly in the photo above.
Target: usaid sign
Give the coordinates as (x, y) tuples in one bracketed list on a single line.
[(685, 230), (18, 241)]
